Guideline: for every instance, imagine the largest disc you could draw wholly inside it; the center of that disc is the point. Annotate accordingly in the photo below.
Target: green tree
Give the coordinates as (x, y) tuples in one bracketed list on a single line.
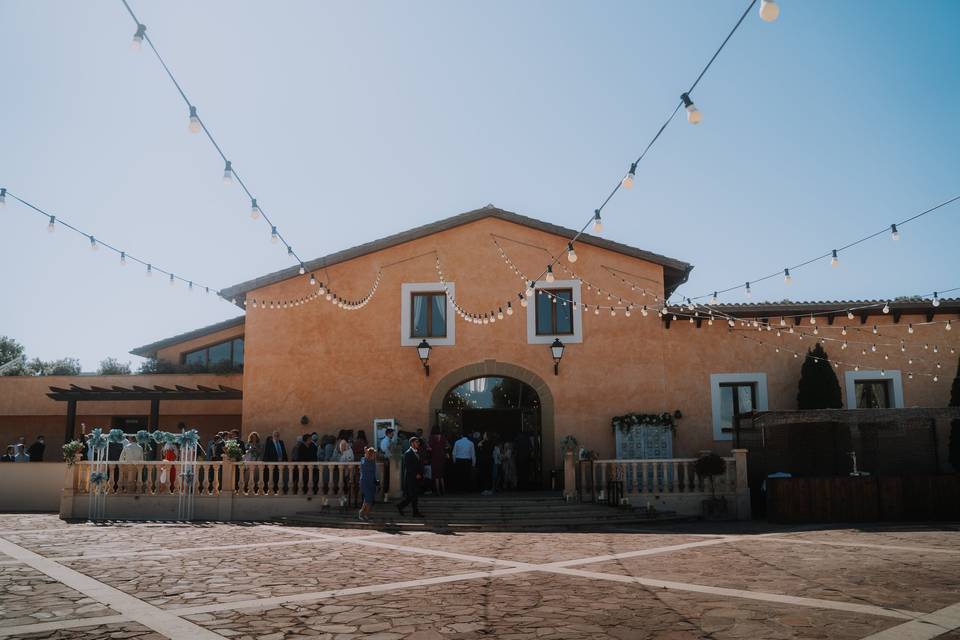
[(61, 367), (10, 350), (113, 367), (819, 387), (153, 365)]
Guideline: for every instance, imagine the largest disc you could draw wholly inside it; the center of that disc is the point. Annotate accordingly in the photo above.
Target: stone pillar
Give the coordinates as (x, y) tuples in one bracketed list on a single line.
[(396, 490), (67, 496), (227, 488), (743, 489), (569, 476)]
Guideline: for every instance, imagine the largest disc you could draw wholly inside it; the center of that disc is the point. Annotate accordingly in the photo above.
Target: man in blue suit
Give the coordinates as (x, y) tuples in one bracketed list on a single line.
[(410, 474)]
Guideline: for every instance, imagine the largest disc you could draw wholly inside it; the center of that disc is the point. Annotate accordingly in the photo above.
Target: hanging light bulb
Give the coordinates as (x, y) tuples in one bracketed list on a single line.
[(834, 259), (509, 308), (948, 326), (844, 331), (172, 281), (596, 310), (3, 197), (644, 311), (886, 307), (190, 289), (693, 114), (910, 375), (529, 291), (873, 348), (713, 298), (571, 254), (849, 315), (254, 209), (903, 347), (313, 281), (302, 270), (194, 121), (627, 181), (149, 270), (894, 232), (274, 237), (51, 226), (936, 299), (936, 378), (844, 345), (123, 258), (137, 41), (813, 319), (786, 276), (875, 330), (769, 10), (93, 243), (747, 290), (910, 327), (228, 172), (550, 277), (936, 348), (597, 223)]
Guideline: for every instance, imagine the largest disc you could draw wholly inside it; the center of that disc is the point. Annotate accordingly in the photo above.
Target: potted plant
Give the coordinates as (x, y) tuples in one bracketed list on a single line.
[(233, 450), (568, 443), (710, 466), (73, 452)]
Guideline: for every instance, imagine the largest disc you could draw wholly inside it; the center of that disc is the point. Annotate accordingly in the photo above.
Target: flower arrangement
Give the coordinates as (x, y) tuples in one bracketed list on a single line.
[(72, 452), (98, 477), (624, 422), (568, 443), (233, 450)]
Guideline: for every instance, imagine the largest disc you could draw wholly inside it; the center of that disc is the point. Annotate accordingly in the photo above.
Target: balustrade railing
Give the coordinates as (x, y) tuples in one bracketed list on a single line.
[(639, 478), (333, 483)]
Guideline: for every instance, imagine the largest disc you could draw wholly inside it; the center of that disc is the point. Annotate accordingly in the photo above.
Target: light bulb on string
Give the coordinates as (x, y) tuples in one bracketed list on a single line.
[(875, 330), (274, 237), (228, 173), (849, 315), (693, 114), (3, 197), (254, 209), (52, 225), (910, 327), (550, 277), (813, 319), (936, 299), (529, 291), (627, 181), (123, 258), (149, 270), (747, 290), (713, 298), (93, 243), (571, 254), (137, 42), (886, 307), (322, 290), (769, 10), (172, 281), (948, 326), (834, 259), (894, 232), (500, 313), (597, 222), (644, 311), (194, 126), (313, 281), (786, 276)]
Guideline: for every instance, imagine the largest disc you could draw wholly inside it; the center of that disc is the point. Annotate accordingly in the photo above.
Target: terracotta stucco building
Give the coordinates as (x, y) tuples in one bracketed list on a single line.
[(306, 355)]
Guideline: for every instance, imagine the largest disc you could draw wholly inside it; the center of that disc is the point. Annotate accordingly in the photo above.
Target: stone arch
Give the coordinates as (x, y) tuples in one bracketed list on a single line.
[(507, 370)]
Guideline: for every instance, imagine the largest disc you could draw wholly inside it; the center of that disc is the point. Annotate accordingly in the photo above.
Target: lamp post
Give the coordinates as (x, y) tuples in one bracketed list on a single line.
[(556, 349), (423, 350)]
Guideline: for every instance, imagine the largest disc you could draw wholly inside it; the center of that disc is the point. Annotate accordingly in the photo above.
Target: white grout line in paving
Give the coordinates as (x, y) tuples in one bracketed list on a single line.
[(164, 622), (865, 545), (927, 626), (73, 623)]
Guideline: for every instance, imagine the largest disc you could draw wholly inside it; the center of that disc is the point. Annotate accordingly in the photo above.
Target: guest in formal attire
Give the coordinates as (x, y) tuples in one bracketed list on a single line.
[(19, 455), (327, 448), (438, 461), (36, 450), (301, 450), (360, 445), (485, 464), (410, 475), (368, 481), (385, 443), (9, 454), (344, 451), (132, 451), (464, 460), (254, 452), (274, 450)]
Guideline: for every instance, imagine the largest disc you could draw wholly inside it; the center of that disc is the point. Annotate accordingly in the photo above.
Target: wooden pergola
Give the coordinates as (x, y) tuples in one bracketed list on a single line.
[(115, 393)]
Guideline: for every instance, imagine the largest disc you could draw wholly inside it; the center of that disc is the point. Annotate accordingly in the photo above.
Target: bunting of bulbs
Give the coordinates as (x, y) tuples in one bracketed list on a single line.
[(322, 293)]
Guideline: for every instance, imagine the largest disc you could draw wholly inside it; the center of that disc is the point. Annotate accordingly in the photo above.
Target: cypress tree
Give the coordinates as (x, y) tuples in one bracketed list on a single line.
[(819, 387)]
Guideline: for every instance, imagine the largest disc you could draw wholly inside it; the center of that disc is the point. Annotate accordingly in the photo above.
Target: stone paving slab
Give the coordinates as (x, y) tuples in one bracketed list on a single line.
[(947, 537), (846, 574), (84, 539), (126, 631), (209, 577), (27, 521), (539, 606), (540, 548), (27, 596)]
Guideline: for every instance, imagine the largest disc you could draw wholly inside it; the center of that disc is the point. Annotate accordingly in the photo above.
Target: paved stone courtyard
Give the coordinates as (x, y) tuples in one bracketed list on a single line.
[(259, 581)]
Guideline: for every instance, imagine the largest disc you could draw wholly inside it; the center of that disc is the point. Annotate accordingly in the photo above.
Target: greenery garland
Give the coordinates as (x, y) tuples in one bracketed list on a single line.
[(624, 422)]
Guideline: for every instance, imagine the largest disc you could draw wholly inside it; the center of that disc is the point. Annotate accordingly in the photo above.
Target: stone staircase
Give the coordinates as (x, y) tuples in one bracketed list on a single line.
[(502, 512)]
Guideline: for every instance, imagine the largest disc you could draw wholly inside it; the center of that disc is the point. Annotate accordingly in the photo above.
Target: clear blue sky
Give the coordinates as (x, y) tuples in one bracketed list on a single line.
[(353, 120)]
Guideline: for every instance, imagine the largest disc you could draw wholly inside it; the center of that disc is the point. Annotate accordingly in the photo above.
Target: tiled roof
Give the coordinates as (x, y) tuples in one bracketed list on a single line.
[(150, 350), (675, 271)]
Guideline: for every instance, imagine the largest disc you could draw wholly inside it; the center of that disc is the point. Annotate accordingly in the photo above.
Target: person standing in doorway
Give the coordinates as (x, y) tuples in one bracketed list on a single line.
[(438, 461), (410, 475), (36, 450), (464, 460), (485, 464)]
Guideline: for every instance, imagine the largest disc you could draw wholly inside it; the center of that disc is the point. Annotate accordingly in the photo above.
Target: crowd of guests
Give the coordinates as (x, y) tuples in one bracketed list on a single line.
[(20, 452)]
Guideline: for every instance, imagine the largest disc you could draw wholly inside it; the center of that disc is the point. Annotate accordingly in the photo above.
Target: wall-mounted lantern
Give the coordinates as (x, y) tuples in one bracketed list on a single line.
[(556, 350), (423, 350)]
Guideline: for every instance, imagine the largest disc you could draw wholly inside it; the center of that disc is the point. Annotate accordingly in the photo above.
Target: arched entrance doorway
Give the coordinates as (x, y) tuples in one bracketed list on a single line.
[(505, 400)]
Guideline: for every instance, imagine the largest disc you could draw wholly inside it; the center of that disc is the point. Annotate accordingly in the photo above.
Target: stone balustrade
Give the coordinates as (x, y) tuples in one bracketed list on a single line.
[(222, 490)]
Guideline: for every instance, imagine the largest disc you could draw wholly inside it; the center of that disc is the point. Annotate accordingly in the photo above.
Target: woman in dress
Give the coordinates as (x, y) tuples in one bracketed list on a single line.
[(170, 455), (438, 461), (254, 452), (368, 481)]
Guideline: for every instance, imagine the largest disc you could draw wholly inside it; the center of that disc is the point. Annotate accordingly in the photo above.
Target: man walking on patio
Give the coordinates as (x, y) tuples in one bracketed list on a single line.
[(410, 474)]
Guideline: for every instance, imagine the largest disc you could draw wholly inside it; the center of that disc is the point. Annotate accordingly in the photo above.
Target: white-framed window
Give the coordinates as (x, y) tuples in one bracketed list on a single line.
[(557, 315), (426, 313), (874, 389), (733, 395)]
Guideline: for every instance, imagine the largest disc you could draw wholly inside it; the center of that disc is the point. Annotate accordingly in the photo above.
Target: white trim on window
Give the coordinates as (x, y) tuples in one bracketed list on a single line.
[(716, 379), (896, 385), (568, 338), (408, 288)]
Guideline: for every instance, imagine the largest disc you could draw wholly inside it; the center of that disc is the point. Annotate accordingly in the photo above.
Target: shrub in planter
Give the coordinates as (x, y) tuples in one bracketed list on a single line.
[(72, 452), (233, 450)]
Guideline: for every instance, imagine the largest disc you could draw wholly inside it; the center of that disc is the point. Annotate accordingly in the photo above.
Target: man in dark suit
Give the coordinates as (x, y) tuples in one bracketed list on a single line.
[(36, 450), (410, 474), (275, 451)]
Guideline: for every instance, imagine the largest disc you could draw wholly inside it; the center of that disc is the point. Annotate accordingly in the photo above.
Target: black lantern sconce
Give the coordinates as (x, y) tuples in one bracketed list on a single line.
[(423, 350), (556, 350)]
